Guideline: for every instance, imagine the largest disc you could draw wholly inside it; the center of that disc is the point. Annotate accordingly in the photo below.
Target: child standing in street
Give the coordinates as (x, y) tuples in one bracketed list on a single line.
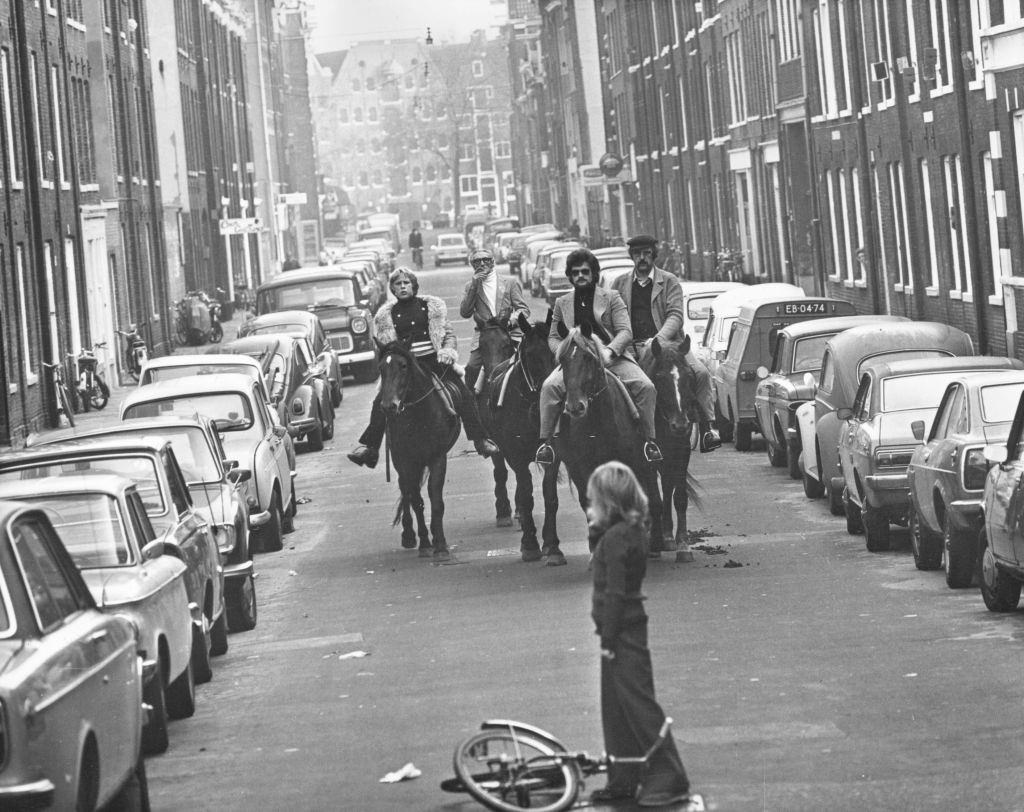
[(630, 714)]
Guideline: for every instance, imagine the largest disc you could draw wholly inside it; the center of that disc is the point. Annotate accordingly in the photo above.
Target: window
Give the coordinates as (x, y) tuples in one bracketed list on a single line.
[(488, 190), (356, 85), (28, 347), (836, 220), (898, 201), (960, 258), (820, 22), (502, 149), (929, 214), (883, 47), (371, 84), (789, 37), (53, 595), (467, 152), (64, 174), (11, 138), (939, 12), (857, 270), (737, 83), (478, 68), (992, 200), (468, 183), (912, 86), (43, 155), (357, 114)]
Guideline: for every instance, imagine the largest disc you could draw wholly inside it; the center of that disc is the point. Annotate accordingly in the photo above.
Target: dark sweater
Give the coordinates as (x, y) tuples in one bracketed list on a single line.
[(620, 563), (640, 316)]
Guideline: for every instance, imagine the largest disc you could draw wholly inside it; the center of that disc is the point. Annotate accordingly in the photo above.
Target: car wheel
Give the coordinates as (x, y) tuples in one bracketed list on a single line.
[(926, 546), (437, 263), (134, 793), (960, 558), (742, 433), (854, 524), (835, 500), (776, 455), (876, 530), (999, 590), (336, 395), (202, 670), (219, 635), (288, 517), (813, 489), (240, 605), (181, 695), (154, 734), (793, 460), (269, 536), (724, 426), (329, 428), (315, 438), (88, 779)]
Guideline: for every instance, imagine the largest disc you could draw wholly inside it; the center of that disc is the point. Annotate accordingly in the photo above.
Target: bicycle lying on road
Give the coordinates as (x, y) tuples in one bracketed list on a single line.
[(509, 765)]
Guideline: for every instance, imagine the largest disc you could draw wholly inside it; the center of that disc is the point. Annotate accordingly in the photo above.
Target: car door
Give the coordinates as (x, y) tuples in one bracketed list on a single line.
[(923, 473), (852, 450), (944, 457), (271, 456), (1004, 497), (87, 669)]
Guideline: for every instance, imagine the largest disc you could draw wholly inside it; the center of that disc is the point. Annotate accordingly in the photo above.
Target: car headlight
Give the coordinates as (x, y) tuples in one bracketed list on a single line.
[(359, 325), (975, 469), (297, 407)]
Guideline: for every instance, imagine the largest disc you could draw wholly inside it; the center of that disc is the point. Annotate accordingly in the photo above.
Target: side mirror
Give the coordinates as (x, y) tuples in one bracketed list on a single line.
[(280, 431), (844, 413), (762, 372), (917, 428), (808, 379), (364, 302), (154, 549), (996, 452), (239, 475), (230, 464)]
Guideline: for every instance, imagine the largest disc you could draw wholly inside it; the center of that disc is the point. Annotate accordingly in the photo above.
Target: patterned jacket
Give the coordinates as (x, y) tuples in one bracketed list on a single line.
[(442, 336), (666, 301)]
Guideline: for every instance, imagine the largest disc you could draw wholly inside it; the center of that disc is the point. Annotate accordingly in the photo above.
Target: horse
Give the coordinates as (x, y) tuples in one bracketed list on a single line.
[(511, 410), (422, 428), (676, 384), (496, 346), (598, 423)]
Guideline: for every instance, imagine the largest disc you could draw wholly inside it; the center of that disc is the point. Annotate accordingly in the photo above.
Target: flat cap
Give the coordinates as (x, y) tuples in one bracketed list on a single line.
[(642, 241)]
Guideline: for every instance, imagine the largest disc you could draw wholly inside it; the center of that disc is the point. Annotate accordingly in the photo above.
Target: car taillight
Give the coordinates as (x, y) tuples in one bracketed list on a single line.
[(975, 469), (359, 325), (893, 457), (297, 407)]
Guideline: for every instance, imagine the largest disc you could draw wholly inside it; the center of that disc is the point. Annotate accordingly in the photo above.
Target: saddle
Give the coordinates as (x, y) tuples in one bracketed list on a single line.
[(611, 376), (449, 392)]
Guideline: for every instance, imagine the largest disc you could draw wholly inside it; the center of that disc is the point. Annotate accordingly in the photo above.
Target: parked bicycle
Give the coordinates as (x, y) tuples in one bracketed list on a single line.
[(93, 391), (509, 765), (197, 319), (62, 397), (136, 353)]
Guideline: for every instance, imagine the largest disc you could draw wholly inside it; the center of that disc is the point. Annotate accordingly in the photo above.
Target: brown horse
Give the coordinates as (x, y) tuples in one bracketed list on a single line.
[(496, 346), (598, 423), (421, 430), (511, 410), (676, 384)]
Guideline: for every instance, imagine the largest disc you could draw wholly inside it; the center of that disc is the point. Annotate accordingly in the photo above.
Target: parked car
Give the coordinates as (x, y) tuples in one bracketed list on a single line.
[(1001, 543), (131, 574), (337, 298), (305, 324), (299, 391), (503, 245), (751, 341), (946, 475), (72, 736), (249, 435), (150, 463), (517, 255), (611, 270), (541, 275), (877, 441), (697, 300), (790, 380), (450, 248), (372, 280), (842, 363), (218, 494)]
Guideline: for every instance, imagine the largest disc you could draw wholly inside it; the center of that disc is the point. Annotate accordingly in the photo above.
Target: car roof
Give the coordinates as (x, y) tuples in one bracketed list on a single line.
[(131, 425), (212, 359), (265, 343), (892, 369), (221, 382), (734, 298), (144, 444), (692, 288), (869, 338), (110, 484), (458, 237), (285, 317), (989, 377), (836, 324), (307, 275)]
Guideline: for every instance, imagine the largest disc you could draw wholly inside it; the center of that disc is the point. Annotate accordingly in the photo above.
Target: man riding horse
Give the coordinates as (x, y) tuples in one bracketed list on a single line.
[(606, 314), (487, 296), (654, 300), (421, 323)]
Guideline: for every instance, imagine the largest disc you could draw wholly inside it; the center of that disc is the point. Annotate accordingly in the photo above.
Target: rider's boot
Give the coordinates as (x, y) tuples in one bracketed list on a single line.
[(365, 455), (651, 451), (545, 453)]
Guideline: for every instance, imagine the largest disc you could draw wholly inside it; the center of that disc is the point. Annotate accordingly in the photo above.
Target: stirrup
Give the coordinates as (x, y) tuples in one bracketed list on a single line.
[(652, 452), (545, 454)]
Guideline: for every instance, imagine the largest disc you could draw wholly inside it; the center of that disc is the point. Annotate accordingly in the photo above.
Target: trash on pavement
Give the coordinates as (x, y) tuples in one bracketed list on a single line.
[(304, 500), (353, 655), (406, 773)]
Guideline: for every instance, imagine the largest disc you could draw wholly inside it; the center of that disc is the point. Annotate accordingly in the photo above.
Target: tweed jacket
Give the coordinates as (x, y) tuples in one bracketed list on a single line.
[(511, 303), (442, 336), (611, 313), (666, 301)]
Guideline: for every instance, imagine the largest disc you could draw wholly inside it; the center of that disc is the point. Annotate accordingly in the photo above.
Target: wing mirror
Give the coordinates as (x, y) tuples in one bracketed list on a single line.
[(844, 413), (230, 464), (154, 549), (917, 427), (364, 302), (280, 431), (239, 475), (808, 379), (996, 452)]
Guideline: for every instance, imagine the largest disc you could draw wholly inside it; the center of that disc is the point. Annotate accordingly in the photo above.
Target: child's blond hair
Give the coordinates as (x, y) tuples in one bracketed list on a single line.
[(615, 493)]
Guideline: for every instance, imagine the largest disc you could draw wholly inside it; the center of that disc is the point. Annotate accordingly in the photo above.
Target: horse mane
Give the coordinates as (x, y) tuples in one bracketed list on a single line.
[(592, 345), (399, 348)]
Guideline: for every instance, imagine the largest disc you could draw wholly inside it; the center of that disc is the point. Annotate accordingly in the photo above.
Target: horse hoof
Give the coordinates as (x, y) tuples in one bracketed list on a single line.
[(408, 543), (426, 552), (556, 560), (503, 521), (684, 556), (442, 555), (654, 553), (532, 555), (669, 545)]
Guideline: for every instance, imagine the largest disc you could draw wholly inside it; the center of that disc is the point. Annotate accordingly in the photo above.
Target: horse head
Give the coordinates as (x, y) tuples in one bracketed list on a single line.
[(675, 382), (582, 370), (535, 354), (495, 342), (399, 370)]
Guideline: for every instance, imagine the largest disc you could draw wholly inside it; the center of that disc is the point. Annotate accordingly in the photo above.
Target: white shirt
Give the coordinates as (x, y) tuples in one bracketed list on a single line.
[(490, 291)]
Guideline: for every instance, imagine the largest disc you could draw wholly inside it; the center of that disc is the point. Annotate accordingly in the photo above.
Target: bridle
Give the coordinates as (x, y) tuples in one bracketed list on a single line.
[(592, 396), (403, 404)]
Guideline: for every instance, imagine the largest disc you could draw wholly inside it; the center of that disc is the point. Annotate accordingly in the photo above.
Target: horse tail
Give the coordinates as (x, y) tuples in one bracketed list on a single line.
[(694, 491), (398, 510)]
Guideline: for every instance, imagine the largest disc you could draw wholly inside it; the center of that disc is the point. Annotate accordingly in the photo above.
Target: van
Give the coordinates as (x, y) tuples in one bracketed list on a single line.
[(697, 300), (751, 342)]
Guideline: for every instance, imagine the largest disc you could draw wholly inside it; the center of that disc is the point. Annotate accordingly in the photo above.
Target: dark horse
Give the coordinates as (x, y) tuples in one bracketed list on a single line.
[(598, 424), (421, 431), (676, 383), (511, 411), (496, 346)]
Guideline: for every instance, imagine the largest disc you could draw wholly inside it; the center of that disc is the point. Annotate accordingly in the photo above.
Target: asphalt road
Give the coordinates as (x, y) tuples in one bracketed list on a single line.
[(802, 671)]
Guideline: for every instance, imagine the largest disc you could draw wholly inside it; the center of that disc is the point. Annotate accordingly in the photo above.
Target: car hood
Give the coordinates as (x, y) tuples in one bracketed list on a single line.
[(894, 427), (212, 501), (333, 318), (115, 586)]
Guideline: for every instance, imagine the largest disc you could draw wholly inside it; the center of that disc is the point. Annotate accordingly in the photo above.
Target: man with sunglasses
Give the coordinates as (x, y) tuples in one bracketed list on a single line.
[(654, 301), (489, 296), (607, 316)]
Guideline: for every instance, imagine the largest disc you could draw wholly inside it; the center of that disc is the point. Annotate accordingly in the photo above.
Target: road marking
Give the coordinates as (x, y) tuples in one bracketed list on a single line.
[(732, 734), (505, 551), (267, 644)]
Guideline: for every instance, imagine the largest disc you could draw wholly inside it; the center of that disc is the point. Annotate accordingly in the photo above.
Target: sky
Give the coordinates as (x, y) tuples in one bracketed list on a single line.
[(338, 23)]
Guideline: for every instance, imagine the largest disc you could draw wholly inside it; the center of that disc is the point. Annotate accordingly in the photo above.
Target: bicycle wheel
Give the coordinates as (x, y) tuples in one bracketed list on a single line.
[(507, 773), (99, 396), (131, 364), (64, 402)]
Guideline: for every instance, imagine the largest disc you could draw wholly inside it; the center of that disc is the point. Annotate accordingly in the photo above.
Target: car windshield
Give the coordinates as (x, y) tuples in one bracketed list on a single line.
[(139, 469), (999, 402), (913, 391), (450, 240), (170, 373), (807, 353), (289, 329), (698, 308), (194, 454), (308, 295), (723, 329), (230, 409), (89, 525)]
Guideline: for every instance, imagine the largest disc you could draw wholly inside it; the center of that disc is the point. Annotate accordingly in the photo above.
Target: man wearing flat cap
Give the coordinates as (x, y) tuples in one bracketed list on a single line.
[(654, 300), (488, 296)]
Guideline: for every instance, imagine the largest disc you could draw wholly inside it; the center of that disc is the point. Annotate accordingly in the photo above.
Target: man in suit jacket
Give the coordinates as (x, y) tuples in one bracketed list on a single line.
[(487, 296), (654, 301), (606, 313)]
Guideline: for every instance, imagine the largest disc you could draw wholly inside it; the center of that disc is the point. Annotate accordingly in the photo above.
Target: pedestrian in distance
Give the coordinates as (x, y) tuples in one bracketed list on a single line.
[(630, 714), (416, 246), (574, 229)]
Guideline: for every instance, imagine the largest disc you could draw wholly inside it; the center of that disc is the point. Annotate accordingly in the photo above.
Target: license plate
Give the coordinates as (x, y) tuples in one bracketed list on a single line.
[(796, 309)]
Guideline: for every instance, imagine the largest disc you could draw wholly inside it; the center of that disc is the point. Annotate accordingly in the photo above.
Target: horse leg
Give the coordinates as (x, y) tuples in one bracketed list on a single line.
[(529, 549), (408, 532), (552, 545), (502, 508), (658, 542), (667, 490), (435, 491), (682, 504)]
